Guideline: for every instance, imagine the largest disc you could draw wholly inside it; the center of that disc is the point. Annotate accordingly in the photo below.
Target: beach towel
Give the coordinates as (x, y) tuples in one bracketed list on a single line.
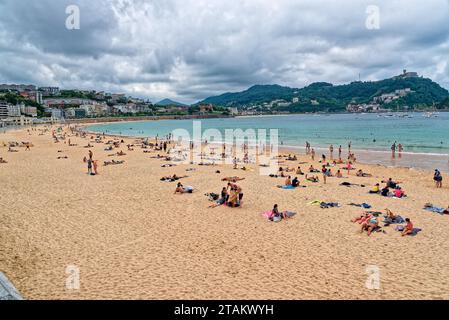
[(326, 205), (268, 214), (363, 205), (290, 214), (414, 232), (437, 210), (288, 187), (397, 220), (315, 203)]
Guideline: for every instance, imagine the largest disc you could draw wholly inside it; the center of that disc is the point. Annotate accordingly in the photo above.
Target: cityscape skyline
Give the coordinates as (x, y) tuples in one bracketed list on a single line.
[(188, 51)]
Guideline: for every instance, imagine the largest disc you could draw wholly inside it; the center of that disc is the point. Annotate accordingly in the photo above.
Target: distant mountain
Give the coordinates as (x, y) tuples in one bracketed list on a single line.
[(326, 97), (168, 102), (255, 94)]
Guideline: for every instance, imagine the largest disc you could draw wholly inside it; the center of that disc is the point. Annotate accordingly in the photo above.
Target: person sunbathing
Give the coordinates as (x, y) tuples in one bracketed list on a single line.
[(360, 173), (299, 171), (339, 174), (398, 192), (376, 189), (233, 197), (390, 215), (390, 183), (362, 218), (313, 170), (232, 179), (385, 192), (3, 161), (348, 166), (312, 178), (121, 153), (295, 182), (173, 178), (408, 228), (288, 181), (180, 188), (222, 200), (370, 225)]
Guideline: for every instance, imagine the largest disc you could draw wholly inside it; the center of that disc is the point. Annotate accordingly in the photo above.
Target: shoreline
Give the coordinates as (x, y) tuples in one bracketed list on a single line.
[(408, 160)]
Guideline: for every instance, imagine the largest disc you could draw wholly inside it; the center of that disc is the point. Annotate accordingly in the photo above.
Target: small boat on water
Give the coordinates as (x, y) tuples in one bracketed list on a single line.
[(430, 115)]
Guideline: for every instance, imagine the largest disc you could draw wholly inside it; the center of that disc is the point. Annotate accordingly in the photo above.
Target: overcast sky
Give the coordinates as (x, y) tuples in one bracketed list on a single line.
[(188, 50)]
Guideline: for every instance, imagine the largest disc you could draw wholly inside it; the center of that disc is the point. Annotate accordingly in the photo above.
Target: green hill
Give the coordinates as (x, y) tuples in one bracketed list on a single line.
[(326, 97)]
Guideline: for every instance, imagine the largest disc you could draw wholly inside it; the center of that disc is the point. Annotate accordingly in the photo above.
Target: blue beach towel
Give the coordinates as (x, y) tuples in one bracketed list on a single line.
[(435, 209)]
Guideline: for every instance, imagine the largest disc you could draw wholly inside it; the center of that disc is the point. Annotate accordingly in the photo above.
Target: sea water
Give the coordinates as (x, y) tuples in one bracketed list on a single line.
[(425, 137)]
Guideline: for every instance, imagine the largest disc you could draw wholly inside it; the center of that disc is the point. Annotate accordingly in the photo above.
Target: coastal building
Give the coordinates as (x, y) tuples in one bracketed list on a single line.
[(14, 111), (38, 98), (407, 74), (206, 108), (370, 107), (49, 90), (233, 111), (80, 113), (295, 100), (18, 87), (4, 111), (68, 113), (68, 102), (28, 111), (55, 113)]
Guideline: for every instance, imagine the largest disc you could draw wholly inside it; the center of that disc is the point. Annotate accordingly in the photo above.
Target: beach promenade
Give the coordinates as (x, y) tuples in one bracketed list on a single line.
[(124, 233)]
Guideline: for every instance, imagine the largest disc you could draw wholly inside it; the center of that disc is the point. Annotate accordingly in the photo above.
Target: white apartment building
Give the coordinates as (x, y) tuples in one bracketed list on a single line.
[(14, 111)]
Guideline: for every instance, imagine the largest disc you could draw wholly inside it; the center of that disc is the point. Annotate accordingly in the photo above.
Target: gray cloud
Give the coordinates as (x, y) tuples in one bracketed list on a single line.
[(191, 49)]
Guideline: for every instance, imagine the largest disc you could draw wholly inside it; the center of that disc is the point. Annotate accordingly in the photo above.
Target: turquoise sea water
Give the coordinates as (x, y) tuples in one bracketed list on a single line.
[(424, 139)]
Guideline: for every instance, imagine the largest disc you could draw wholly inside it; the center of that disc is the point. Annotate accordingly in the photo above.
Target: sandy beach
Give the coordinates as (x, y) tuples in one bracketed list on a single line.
[(132, 238)]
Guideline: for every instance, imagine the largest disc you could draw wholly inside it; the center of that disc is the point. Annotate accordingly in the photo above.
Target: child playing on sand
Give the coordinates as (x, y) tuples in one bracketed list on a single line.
[(339, 174)]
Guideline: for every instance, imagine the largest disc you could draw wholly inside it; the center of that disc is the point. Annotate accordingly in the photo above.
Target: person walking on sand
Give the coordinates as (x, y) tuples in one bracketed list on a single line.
[(91, 154), (95, 165), (438, 178), (331, 151), (313, 154), (325, 173), (339, 152), (89, 166)]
